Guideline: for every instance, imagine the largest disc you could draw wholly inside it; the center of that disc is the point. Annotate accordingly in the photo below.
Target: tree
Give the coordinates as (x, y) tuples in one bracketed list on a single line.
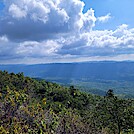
[(114, 113)]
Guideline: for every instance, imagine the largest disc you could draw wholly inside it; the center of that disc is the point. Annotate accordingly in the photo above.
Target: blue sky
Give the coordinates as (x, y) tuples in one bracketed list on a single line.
[(41, 31), (121, 11), (1, 5)]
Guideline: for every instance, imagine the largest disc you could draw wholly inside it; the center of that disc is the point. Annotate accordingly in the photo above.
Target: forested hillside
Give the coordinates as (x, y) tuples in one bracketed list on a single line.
[(29, 106)]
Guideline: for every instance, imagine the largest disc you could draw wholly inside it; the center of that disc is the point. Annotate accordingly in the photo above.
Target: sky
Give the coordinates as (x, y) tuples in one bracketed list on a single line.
[(42, 31)]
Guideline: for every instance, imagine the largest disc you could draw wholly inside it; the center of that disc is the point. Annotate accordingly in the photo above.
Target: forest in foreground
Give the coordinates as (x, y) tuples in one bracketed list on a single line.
[(29, 106)]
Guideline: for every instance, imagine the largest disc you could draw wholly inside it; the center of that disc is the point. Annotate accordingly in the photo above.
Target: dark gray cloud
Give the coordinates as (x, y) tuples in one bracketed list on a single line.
[(23, 30)]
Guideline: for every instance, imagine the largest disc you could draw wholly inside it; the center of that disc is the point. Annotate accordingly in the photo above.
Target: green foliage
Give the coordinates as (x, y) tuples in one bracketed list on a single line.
[(36, 106), (117, 115)]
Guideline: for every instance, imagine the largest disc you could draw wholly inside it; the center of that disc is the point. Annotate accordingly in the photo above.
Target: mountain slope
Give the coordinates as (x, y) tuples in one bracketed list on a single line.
[(31, 106)]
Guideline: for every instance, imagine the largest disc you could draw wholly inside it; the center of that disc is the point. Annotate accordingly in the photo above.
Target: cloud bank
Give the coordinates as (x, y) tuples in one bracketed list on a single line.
[(39, 31)]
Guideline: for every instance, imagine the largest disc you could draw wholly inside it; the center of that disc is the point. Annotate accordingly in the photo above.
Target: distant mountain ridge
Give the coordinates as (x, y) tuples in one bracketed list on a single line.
[(91, 70), (108, 73)]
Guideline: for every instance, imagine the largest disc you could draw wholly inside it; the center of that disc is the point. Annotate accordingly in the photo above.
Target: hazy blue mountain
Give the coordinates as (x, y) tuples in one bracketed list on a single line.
[(88, 75)]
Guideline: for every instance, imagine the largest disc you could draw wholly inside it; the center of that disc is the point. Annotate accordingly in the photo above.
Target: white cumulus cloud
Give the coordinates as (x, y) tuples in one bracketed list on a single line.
[(58, 30), (16, 12), (3, 39), (40, 19), (105, 18), (38, 49)]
